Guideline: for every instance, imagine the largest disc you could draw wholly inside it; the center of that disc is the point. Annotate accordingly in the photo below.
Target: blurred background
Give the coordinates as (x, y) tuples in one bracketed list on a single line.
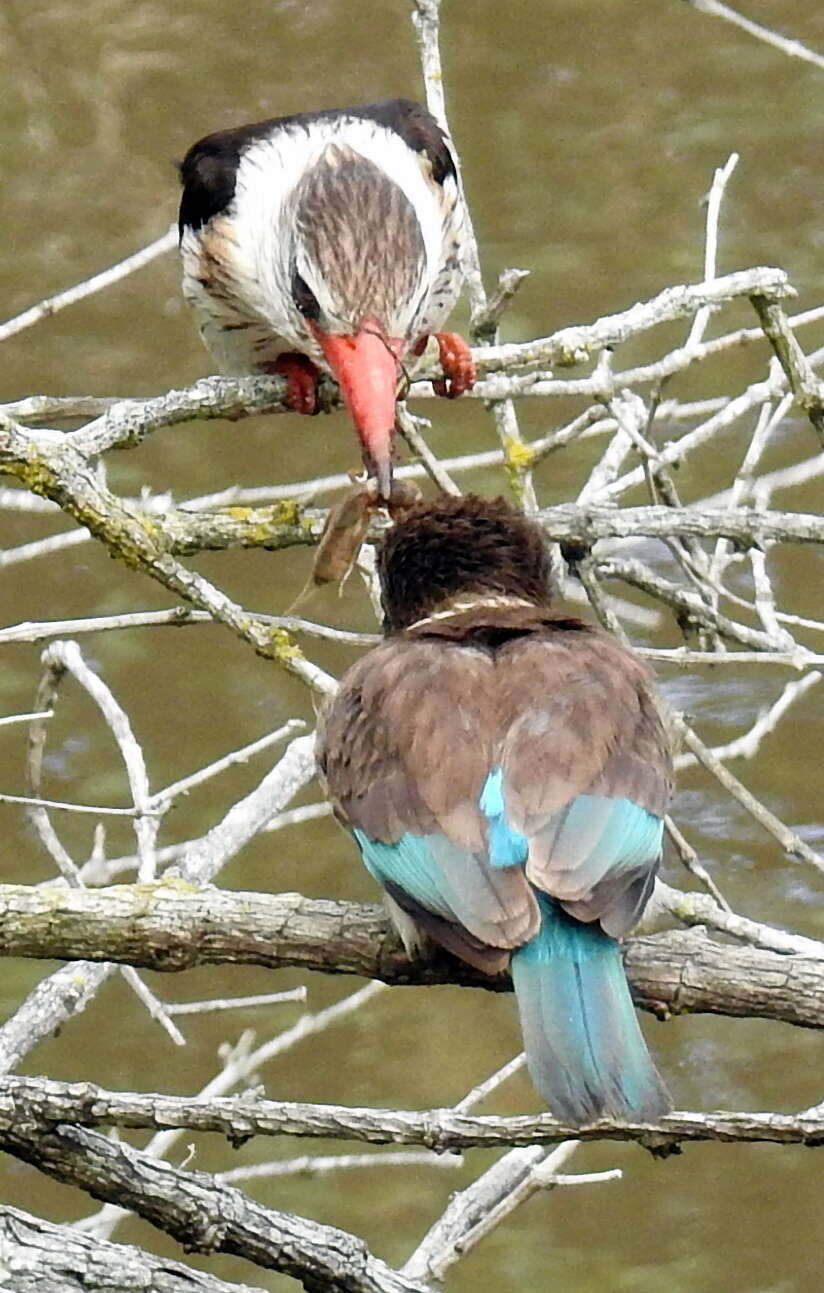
[(589, 136)]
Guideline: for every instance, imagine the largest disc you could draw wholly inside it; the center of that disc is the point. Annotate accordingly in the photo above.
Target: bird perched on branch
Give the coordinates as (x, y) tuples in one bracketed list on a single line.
[(328, 241), (505, 772)]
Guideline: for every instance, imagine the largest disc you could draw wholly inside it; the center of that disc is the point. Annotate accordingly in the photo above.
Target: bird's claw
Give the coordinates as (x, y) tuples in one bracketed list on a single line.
[(457, 364), (301, 381)]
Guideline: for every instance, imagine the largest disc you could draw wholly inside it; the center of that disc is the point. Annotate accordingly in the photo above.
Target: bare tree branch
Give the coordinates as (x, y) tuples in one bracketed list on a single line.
[(52, 304), (202, 1214), (807, 388), (739, 968), (240, 1065), (745, 525), (51, 466), (38, 1257), (32, 1108), (63, 994), (792, 47), (169, 927), (69, 990)]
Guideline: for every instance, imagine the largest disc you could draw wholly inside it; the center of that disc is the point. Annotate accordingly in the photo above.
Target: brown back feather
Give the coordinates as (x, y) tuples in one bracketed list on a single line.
[(420, 722)]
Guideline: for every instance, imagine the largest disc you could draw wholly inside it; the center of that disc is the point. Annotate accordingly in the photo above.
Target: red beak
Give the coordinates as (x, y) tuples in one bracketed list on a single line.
[(366, 367)]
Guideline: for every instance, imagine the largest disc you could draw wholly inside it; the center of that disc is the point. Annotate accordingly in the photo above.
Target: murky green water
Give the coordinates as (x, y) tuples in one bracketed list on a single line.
[(589, 135)]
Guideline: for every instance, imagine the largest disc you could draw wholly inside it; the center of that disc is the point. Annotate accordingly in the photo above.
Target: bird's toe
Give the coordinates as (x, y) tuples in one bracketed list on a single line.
[(301, 381), (457, 364)]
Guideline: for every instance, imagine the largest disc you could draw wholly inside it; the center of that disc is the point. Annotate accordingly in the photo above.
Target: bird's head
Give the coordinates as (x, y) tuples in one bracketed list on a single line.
[(357, 267), (453, 548)]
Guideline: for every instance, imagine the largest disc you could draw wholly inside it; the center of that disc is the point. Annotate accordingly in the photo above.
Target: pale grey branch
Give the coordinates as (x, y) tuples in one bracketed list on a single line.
[(38, 1257), (202, 1214), (31, 1107)]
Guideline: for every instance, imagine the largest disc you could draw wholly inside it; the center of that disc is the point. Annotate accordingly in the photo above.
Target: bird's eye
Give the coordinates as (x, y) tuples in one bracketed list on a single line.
[(304, 298)]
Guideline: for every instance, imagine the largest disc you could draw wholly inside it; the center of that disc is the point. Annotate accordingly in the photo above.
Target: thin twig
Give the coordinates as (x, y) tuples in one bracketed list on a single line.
[(234, 1003), (53, 304), (410, 429), (325, 1164), (748, 744), (716, 196), (62, 657), (162, 800), (790, 841), (95, 810), (792, 47), (690, 859), (10, 719)]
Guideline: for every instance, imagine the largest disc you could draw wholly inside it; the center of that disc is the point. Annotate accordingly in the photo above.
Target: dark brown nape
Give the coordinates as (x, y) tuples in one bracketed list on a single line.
[(460, 546)]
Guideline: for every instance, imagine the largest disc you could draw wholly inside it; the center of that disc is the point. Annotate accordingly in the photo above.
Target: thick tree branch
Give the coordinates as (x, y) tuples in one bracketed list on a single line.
[(38, 1257), (172, 926), (58, 467), (50, 465), (128, 421), (235, 398), (202, 1214), (70, 989)]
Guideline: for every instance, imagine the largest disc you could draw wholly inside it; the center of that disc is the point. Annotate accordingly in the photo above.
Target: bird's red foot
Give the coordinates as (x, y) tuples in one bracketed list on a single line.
[(457, 364), (301, 380)]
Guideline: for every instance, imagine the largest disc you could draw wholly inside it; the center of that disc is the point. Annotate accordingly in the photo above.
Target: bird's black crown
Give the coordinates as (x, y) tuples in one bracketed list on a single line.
[(442, 550)]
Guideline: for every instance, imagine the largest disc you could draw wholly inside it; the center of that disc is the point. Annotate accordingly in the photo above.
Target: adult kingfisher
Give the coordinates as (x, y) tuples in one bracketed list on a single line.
[(505, 771), (328, 241)]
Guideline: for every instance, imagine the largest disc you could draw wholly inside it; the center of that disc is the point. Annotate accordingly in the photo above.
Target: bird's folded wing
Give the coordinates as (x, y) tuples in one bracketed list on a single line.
[(586, 771), (406, 750)]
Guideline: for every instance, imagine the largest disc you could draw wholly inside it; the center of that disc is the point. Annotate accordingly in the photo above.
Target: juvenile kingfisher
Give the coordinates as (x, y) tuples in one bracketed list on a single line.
[(505, 772)]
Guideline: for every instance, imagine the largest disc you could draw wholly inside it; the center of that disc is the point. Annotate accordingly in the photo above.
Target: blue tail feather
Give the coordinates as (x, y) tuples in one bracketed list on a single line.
[(585, 1050)]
